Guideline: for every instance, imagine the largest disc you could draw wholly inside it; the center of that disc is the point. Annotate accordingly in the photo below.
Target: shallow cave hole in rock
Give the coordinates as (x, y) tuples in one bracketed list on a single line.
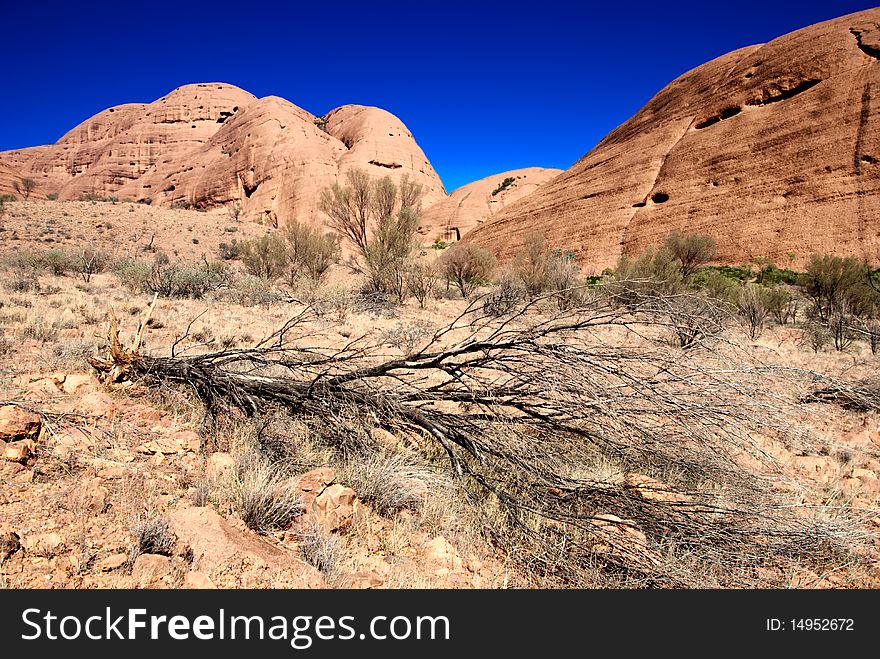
[(640, 204), (249, 189), (659, 197), (871, 160)]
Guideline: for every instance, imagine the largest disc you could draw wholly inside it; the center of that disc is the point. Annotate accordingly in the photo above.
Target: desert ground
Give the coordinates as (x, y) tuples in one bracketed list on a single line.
[(137, 483)]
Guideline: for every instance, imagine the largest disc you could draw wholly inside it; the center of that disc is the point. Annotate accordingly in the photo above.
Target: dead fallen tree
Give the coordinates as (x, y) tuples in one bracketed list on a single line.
[(530, 411)]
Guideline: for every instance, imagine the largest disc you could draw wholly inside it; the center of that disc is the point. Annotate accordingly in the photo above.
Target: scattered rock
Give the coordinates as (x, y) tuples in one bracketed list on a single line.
[(235, 557), (220, 465), (334, 508), (110, 563), (16, 423), (9, 544), (72, 383), (312, 483), (18, 451), (621, 539), (92, 497), (816, 467), (45, 544), (444, 556), (361, 581), (651, 489), (198, 581), (149, 569)]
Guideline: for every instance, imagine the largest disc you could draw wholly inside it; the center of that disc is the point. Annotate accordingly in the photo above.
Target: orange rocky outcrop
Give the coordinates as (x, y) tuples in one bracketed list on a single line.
[(772, 149), (470, 205), (213, 144)]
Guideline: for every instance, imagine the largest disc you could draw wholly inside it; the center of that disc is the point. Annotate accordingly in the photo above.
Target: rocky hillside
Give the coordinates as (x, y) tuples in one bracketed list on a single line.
[(772, 149), (470, 205), (206, 145)]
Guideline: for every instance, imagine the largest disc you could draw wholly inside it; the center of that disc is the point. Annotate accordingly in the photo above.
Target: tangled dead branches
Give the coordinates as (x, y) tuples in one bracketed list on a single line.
[(554, 424)]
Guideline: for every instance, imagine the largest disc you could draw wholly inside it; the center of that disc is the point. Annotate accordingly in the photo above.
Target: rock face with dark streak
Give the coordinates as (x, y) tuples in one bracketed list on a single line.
[(471, 205), (772, 149), (213, 144)]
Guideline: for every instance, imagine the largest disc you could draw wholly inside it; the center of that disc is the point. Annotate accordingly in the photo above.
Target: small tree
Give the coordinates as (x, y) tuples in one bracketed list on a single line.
[(421, 281), (380, 220), (692, 250), (264, 257), (310, 253), (90, 261), (466, 266), (752, 309), (531, 264), (24, 187)]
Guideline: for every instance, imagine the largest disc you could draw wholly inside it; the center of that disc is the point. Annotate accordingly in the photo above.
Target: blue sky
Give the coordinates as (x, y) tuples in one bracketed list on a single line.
[(483, 86)]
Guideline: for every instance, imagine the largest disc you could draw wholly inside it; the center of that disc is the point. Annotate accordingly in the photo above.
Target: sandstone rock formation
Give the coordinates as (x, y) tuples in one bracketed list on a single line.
[(772, 149), (470, 205), (213, 144)]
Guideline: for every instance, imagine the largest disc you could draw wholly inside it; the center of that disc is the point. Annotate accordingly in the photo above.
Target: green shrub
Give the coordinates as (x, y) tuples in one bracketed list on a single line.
[(310, 252), (834, 281), (467, 266), (187, 280), (265, 256), (134, 274), (506, 183), (691, 250)]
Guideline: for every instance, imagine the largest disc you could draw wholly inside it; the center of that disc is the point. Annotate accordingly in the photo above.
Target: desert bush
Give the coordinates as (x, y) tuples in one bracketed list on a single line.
[(690, 250), (467, 266), (531, 264), (841, 324), (506, 183), (230, 251), (836, 280), (718, 285), (262, 497), (694, 320), (153, 535), (23, 283), (310, 252), (421, 281), (506, 296), (816, 334), (186, 280), (57, 261), (380, 220), (24, 187), (654, 272), (752, 309), (781, 304), (90, 261), (405, 336), (265, 256), (39, 328), (322, 551), (391, 482), (134, 274), (564, 279), (251, 291)]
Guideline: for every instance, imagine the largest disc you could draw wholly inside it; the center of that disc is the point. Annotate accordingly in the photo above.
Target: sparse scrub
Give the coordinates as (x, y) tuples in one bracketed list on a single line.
[(690, 250), (323, 551), (263, 498), (265, 256), (134, 274), (310, 253), (379, 219), (153, 535), (752, 309), (421, 281), (90, 261), (392, 482), (831, 281), (184, 280), (252, 291), (467, 266)]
